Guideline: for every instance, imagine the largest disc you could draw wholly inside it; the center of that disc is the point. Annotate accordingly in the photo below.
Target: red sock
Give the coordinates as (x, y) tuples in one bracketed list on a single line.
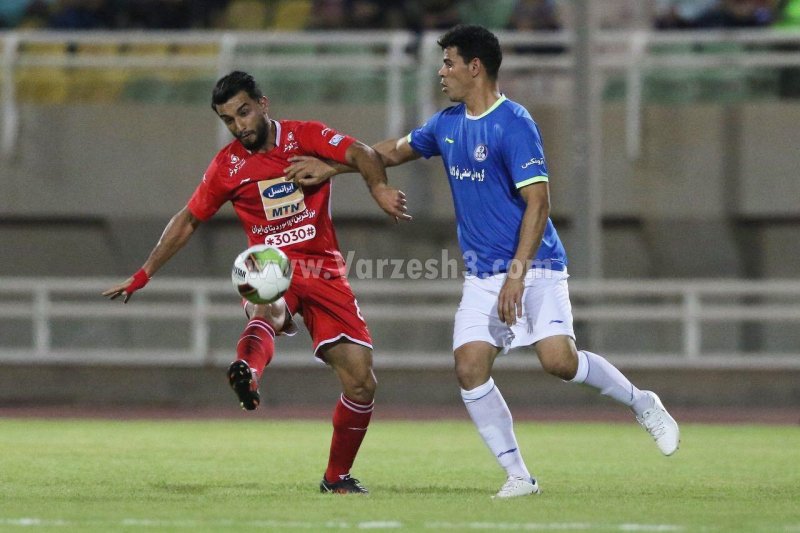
[(350, 422), (256, 344)]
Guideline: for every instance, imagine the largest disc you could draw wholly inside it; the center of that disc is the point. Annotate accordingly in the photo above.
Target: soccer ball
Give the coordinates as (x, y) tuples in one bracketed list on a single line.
[(261, 274)]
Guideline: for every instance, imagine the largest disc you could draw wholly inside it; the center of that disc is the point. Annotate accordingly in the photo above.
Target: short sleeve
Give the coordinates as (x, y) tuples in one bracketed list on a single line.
[(207, 198), (423, 139), (524, 153), (322, 141)]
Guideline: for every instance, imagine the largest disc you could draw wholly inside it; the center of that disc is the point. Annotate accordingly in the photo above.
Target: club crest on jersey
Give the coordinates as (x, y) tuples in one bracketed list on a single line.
[(281, 199), (481, 152), (236, 165), (291, 143)]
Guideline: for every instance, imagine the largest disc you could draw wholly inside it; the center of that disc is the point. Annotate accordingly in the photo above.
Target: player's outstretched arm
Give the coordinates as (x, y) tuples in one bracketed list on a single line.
[(371, 167), (307, 171), (176, 234), (395, 152)]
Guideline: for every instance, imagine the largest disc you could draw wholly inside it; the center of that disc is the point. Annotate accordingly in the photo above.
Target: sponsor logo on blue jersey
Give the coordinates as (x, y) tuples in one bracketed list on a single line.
[(467, 173), (533, 161)]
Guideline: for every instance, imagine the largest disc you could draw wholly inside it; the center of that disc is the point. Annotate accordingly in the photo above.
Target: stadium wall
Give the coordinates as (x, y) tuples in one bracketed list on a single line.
[(715, 188), (122, 387)]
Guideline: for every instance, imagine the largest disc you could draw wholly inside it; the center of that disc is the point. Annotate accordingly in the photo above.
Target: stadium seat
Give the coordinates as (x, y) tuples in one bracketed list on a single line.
[(246, 15), (45, 84), (147, 49), (291, 15), (42, 85)]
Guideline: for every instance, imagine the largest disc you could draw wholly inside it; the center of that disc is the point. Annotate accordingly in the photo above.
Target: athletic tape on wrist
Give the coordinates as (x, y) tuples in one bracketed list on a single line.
[(140, 279)]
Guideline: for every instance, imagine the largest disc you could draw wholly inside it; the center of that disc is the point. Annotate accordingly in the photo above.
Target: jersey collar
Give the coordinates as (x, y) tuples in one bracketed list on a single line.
[(494, 106), (277, 132)]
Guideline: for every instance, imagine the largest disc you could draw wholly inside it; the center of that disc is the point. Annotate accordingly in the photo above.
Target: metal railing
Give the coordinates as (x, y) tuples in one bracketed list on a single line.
[(632, 52), (219, 52), (32, 308)]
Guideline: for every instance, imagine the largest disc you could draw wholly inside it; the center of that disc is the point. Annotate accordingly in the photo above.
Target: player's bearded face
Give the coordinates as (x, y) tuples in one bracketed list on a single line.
[(246, 119), (255, 137)]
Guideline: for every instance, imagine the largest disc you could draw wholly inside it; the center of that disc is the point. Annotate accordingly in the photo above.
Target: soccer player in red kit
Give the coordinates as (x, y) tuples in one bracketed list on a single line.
[(249, 173)]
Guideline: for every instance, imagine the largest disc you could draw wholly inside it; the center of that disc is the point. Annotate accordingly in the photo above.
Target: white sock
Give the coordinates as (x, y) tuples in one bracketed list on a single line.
[(595, 371), (491, 416)]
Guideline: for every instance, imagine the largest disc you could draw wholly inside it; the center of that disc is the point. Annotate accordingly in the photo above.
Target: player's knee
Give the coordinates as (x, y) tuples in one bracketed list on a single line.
[(363, 388), (562, 366), (470, 375), (275, 314)]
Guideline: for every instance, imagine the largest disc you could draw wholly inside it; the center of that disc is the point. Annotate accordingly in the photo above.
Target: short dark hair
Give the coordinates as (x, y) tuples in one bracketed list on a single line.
[(475, 41), (232, 84)]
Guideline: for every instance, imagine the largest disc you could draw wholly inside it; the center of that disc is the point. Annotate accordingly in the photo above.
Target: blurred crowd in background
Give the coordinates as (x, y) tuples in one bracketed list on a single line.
[(419, 15)]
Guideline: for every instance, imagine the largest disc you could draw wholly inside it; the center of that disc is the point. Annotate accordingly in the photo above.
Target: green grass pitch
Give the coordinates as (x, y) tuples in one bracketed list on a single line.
[(79, 475)]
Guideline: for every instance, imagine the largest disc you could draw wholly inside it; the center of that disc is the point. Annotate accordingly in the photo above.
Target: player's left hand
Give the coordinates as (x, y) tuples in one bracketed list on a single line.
[(509, 300), (307, 171), (392, 201), (128, 287)]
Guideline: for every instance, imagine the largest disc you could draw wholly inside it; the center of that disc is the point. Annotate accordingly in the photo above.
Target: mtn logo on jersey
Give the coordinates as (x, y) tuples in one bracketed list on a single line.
[(481, 153), (281, 199)]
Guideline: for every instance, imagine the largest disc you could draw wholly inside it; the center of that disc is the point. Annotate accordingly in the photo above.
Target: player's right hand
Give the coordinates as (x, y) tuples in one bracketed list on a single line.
[(128, 287), (509, 300), (307, 171), (392, 201)]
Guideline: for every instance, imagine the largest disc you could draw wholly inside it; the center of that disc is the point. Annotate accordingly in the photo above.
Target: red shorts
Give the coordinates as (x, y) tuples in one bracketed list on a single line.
[(330, 310)]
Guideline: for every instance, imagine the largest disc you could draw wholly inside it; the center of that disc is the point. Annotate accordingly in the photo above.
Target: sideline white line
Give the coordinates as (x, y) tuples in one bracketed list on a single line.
[(372, 524), (650, 527), (515, 526), (33, 522)]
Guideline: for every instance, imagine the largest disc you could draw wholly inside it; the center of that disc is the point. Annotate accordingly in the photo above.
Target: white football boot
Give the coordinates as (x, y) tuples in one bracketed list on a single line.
[(517, 486), (661, 426)]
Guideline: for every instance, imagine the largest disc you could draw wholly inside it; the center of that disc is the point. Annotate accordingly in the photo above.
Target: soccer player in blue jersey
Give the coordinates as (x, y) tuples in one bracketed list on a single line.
[(515, 289)]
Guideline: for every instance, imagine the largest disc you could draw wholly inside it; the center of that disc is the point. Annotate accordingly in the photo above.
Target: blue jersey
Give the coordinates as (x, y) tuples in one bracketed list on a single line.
[(488, 159)]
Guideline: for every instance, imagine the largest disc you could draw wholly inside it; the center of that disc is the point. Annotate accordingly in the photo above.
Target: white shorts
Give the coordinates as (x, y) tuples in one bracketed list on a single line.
[(546, 311)]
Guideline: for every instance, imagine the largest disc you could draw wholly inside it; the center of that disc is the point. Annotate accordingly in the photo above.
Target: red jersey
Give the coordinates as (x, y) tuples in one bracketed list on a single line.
[(274, 211)]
